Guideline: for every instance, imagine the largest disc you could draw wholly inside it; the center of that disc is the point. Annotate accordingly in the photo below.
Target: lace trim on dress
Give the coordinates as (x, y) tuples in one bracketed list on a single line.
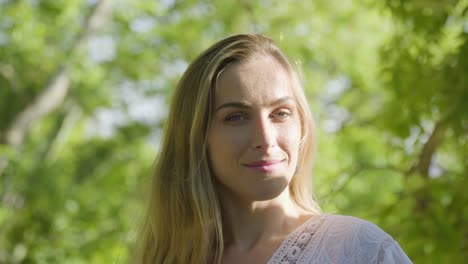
[(338, 239), (295, 244)]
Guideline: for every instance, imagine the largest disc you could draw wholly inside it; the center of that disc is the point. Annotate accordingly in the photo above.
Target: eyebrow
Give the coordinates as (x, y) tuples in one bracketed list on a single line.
[(244, 105)]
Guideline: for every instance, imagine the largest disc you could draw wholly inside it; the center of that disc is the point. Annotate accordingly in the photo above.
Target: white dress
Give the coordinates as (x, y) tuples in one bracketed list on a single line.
[(338, 239)]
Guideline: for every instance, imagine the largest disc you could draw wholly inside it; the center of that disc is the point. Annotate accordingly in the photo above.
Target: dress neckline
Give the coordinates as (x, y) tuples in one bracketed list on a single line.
[(298, 236)]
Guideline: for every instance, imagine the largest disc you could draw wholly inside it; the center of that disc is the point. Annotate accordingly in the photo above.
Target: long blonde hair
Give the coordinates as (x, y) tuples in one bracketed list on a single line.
[(183, 222)]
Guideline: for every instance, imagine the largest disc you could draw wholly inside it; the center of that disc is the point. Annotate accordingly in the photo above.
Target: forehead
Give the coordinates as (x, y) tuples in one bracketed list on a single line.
[(257, 82)]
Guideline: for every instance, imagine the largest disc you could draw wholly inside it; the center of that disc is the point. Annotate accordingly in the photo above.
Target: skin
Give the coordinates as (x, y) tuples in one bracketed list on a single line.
[(253, 145)]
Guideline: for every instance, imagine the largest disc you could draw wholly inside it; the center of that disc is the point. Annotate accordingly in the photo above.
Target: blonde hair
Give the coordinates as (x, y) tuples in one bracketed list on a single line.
[(183, 222)]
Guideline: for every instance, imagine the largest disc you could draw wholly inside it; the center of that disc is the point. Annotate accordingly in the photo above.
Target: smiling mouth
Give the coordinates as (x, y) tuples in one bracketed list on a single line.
[(264, 165)]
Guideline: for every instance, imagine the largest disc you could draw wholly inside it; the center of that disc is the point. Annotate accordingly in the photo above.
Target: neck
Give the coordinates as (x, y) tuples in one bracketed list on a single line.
[(249, 223)]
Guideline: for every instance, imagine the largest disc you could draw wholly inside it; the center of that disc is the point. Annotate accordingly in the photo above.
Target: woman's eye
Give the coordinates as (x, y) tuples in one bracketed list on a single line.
[(235, 118), (282, 114)]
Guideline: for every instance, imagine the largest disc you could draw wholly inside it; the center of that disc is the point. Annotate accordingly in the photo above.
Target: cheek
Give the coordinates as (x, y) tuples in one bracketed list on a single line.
[(290, 138), (226, 145)]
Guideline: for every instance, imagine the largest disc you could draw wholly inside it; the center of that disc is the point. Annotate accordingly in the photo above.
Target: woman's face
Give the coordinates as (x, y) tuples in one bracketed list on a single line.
[(254, 134)]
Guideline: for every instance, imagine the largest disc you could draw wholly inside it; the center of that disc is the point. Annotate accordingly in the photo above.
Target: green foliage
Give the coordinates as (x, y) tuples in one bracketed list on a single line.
[(387, 82)]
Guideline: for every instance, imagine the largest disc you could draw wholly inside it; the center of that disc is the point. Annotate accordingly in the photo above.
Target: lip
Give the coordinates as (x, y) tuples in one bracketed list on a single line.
[(264, 165)]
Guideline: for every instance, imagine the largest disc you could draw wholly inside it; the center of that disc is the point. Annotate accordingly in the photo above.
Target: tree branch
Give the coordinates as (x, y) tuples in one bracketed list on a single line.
[(9, 73), (421, 167), (55, 92), (53, 95), (47, 101), (428, 151)]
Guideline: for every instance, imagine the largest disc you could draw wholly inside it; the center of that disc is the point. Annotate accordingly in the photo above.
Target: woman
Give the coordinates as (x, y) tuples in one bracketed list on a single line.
[(231, 184)]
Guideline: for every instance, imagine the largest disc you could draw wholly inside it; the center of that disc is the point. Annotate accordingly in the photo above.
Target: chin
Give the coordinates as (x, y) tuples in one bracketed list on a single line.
[(269, 189)]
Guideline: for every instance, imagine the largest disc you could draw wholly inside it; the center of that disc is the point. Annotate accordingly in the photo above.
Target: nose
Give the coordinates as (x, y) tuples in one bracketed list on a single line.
[(264, 134)]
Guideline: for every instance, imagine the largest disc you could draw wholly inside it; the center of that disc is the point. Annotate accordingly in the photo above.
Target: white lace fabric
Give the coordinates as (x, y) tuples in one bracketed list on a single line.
[(338, 239)]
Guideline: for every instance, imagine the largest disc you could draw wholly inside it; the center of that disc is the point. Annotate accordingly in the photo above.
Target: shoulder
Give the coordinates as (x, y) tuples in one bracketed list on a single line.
[(353, 227), (353, 234), (339, 239), (359, 240)]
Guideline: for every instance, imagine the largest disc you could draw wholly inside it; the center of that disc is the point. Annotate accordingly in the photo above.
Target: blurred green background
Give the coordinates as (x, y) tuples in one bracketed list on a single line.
[(85, 84)]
